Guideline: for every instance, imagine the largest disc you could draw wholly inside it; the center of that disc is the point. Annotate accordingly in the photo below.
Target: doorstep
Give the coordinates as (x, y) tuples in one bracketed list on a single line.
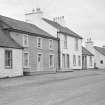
[(46, 72)]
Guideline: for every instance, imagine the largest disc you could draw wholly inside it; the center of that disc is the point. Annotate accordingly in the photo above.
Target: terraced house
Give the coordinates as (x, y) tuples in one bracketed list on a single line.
[(40, 49), (70, 46)]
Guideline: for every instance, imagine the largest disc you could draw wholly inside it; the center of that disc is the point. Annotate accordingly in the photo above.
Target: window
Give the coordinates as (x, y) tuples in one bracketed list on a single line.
[(26, 59), (76, 44), (90, 60), (25, 40), (79, 60), (8, 59), (63, 60), (65, 41), (39, 60), (51, 60), (51, 44), (101, 61), (39, 42), (74, 60), (68, 62)]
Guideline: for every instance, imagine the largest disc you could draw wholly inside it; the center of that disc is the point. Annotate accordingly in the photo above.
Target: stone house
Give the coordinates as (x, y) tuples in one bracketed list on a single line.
[(40, 52), (70, 46)]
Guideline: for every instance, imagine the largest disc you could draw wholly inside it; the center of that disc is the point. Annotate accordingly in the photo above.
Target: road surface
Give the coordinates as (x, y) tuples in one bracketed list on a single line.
[(73, 88)]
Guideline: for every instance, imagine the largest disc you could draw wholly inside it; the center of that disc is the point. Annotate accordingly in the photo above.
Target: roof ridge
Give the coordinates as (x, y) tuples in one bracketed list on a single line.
[(24, 26), (64, 30)]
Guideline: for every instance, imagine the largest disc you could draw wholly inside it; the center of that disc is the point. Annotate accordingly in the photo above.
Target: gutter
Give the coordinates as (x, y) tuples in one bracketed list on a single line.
[(29, 33)]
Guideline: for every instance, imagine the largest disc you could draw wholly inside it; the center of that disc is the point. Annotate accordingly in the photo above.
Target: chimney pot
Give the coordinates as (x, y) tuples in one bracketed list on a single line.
[(33, 10), (37, 9)]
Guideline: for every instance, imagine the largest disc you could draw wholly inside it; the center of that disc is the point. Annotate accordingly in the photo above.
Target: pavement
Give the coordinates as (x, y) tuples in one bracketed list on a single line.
[(85, 87)]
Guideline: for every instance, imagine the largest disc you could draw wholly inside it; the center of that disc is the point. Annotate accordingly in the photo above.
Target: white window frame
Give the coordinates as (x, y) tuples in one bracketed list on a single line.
[(52, 62), (24, 59), (76, 44), (68, 60), (11, 60), (40, 42), (64, 60), (25, 35), (90, 60), (79, 60), (51, 48), (65, 42), (41, 56), (74, 60)]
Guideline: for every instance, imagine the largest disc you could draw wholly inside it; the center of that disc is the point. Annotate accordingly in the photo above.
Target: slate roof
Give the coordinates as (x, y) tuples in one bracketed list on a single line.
[(23, 26), (100, 50), (62, 29), (7, 41), (86, 52)]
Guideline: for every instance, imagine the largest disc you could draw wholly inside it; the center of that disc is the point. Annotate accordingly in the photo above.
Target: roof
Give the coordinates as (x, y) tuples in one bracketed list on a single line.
[(23, 26), (100, 50), (62, 29), (86, 52), (7, 41)]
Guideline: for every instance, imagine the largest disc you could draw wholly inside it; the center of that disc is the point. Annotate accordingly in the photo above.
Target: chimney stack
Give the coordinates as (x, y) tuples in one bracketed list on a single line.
[(60, 20), (35, 13)]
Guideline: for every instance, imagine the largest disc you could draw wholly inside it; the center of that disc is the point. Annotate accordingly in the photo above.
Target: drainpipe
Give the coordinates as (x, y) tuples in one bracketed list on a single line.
[(59, 62)]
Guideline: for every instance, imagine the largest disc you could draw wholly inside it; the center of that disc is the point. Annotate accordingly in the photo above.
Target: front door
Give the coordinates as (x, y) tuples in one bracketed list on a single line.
[(84, 62), (39, 62)]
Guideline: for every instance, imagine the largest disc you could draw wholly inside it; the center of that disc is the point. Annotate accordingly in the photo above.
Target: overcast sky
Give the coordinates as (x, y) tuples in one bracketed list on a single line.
[(85, 17)]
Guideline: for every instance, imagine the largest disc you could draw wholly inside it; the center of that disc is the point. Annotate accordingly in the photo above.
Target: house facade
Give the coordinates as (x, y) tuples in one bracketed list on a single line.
[(40, 53), (10, 56), (70, 46), (99, 54), (87, 59)]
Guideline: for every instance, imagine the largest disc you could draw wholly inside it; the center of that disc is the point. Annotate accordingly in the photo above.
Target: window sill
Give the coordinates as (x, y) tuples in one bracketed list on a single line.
[(8, 67), (25, 46), (39, 48), (26, 67), (51, 49)]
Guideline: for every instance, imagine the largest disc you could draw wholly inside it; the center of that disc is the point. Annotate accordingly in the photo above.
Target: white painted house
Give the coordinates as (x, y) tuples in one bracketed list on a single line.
[(10, 56), (99, 54), (70, 46)]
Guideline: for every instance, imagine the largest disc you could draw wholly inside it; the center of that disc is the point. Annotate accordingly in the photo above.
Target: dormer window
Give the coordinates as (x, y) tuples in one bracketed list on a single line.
[(50, 44), (25, 40), (39, 42)]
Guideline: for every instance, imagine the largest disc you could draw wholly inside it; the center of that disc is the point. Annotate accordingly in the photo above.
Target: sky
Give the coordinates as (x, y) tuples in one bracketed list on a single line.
[(85, 17)]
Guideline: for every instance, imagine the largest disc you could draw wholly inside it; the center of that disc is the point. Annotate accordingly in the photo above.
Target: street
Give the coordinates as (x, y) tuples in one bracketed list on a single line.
[(72, 88)]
